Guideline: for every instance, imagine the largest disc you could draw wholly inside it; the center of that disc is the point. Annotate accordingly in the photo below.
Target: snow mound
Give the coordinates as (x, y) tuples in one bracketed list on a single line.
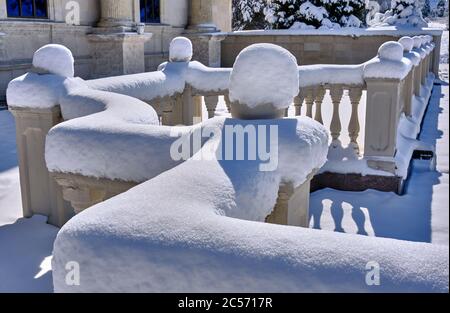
[(54, 59), (264, 74), (180, 50), (34, 91), (407, 43), (390, 63), (391, 50), (208, 238), (108, 135)]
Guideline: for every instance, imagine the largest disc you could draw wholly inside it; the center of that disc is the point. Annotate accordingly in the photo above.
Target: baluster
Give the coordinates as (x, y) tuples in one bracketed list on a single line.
[(167, 112), (211, 105), (336, 126), (354, 128), (227, 102), (156, 104), (298, 101), (309, 100), (318, 100)]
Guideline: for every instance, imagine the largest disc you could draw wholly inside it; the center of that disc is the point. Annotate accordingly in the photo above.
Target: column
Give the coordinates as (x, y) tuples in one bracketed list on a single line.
[(117, 48)]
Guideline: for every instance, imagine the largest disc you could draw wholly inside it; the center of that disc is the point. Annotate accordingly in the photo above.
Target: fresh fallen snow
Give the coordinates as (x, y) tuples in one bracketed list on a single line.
[(180, 50), (120, 141), (54, 59), (319, 74), (34, 91), (404, 225), (202, 240), (264, 74)]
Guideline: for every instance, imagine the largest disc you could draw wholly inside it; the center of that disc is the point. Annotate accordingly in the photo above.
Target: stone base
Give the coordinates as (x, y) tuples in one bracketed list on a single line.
[(357, 182), (118, 53)]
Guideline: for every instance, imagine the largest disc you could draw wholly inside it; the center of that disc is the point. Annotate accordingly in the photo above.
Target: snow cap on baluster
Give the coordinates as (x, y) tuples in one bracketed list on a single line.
[(180, 50), (407, 43), (54, 59), (264, 82)]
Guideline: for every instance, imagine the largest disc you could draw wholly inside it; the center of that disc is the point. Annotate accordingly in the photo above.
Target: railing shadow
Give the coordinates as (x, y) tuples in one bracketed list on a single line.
[(407, 217)]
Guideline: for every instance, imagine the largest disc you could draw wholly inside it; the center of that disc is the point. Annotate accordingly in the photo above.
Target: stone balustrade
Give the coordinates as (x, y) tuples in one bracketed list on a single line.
[(390, 99)]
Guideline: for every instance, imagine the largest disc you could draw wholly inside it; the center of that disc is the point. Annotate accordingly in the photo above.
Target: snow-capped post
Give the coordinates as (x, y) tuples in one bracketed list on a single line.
[(33, 100), (181, 51), (263, 84), (408, 43), (384, 77), (418, 71)]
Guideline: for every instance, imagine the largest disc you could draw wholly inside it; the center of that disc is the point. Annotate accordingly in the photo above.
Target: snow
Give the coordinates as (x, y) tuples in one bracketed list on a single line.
[(206, 79), (407, 43), (146, 86), (343, 31), (391, 50), (401, 15), (119, 142), (207, 238), (54, 59), (321, 74), (180, 50), (34, 91), (422, 214), (389, 64), (179, 244), (264, 74), (25, 244)]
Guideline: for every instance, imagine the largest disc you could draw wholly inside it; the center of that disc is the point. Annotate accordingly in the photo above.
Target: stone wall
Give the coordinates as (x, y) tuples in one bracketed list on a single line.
[(320, 48), (21, 39)]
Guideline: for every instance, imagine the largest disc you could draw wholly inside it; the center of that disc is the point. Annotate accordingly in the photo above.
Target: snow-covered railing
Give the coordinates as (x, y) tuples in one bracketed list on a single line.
[(395, 87)]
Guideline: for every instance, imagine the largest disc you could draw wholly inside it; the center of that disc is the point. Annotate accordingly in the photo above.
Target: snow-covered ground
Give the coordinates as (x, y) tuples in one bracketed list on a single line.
[(25, 244)]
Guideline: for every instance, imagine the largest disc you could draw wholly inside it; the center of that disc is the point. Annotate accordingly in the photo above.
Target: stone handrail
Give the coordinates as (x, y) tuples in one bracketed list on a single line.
[(395, 101)]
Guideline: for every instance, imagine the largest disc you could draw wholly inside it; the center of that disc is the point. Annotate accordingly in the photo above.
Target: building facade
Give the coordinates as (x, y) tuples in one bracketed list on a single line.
[(107, 37)]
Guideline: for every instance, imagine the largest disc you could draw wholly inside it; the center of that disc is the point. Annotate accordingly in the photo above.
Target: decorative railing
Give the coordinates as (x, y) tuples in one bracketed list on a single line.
[(394, 86)]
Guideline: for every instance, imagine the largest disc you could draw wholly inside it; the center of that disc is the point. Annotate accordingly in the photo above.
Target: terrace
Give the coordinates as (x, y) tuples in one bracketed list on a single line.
[(79, 146)]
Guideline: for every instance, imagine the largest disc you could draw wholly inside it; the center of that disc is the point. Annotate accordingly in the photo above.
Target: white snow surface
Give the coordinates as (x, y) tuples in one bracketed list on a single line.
[(390, 62), (54, 59), (321, 74), (180, 50), (34, 91), (264, 74), (198, 241), (108, 135)]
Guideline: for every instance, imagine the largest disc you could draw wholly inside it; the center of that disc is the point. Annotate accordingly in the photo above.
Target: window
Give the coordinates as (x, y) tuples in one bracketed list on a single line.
[(27, 8), (150, 11)]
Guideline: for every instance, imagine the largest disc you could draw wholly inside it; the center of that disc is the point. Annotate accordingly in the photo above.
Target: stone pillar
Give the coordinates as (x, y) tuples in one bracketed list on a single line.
[(118, 53), (116, 13), (205, 18), (200, 17), (436, 55), (117, 48), (2, 47), (40, 193), (382, 116), (292, 207), (207, 48)]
